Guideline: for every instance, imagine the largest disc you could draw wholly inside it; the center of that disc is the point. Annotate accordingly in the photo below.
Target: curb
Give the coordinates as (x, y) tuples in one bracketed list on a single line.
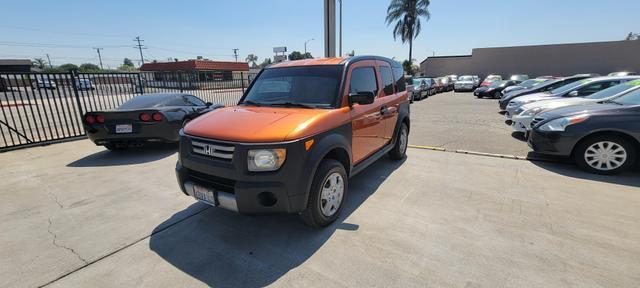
[(494, 155)]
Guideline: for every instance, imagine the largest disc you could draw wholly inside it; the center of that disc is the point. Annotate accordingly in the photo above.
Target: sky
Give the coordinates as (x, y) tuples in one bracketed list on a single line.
[(68, 30)]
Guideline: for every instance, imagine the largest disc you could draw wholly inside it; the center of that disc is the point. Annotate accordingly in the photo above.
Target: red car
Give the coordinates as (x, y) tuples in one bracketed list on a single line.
[(490, 79)]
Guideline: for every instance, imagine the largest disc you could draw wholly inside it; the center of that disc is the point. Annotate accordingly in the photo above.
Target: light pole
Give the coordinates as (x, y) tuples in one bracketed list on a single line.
[(305, 44), (340, 31)]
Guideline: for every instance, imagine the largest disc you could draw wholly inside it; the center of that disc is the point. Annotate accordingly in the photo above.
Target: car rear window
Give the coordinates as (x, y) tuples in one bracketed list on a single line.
[(387, 80), (151, 101), (308, 85), (398, 73)]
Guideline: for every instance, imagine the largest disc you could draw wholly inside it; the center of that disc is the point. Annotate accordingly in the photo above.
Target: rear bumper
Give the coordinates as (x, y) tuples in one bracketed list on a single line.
[(101, 134)]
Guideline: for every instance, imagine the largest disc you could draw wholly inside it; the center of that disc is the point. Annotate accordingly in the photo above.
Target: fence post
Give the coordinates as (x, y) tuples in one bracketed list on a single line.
[(74, 74), (179, 79), (140, 83), (242, 80)]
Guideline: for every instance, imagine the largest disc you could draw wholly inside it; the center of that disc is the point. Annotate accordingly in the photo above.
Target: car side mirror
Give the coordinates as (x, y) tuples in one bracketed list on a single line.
[(208, 104), (573, 93), (363, 98)]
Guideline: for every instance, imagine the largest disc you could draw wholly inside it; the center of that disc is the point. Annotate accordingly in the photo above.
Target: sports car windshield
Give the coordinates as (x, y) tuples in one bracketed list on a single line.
[(312, 86)]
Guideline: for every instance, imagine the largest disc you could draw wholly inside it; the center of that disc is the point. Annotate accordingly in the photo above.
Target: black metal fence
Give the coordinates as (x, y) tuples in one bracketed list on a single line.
[(38, 108)]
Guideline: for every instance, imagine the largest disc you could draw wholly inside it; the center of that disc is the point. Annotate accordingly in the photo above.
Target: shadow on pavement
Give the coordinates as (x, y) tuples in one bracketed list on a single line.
[(147, 153), (222, 248), (565, 167), (518, 136)]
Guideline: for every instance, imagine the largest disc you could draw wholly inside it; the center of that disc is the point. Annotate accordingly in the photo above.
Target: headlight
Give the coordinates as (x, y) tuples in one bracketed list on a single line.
[(561, 123), (532, 112), (518, 111), (266, 159)]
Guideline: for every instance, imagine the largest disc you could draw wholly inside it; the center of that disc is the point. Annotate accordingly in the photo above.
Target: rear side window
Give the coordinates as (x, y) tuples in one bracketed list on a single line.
[(363, 79), (387, 80), (398, 73)]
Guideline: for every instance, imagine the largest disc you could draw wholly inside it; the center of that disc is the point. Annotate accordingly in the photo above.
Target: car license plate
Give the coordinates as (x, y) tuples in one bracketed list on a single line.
[(124, 128), (204, 194)]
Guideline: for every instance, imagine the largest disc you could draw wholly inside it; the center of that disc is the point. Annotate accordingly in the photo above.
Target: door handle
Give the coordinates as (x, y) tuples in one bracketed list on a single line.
[(384, 109)]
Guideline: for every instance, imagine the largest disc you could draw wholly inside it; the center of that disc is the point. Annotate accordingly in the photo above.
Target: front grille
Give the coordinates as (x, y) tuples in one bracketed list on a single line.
[(535, 121), (215, 182), (215, 150)]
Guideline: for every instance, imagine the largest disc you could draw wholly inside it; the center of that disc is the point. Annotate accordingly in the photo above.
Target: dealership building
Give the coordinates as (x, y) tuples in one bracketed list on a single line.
[(537, 60), (201, 69)]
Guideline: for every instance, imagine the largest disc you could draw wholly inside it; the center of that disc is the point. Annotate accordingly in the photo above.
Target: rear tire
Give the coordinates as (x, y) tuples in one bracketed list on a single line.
[(605, 155), (402, 141), (324, 196)]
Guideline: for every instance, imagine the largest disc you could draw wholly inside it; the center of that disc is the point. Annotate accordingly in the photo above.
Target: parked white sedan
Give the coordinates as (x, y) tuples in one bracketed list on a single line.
[(522, 121)]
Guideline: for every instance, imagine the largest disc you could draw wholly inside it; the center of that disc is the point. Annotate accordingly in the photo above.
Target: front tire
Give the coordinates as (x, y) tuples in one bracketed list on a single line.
[(328, 194), (606, 155), (400, 149)]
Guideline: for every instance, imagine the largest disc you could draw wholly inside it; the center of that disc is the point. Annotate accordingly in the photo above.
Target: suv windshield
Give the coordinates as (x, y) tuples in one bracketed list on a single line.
[(611, 91), (465, 78), (569, 86), (312, 86)]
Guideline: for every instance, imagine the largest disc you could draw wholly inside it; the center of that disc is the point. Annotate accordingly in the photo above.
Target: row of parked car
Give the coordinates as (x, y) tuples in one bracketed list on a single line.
[(593, 119), (424, 87)]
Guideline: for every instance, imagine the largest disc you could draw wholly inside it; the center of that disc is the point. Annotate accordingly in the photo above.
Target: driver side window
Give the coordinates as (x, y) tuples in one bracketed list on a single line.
[(363, 79)]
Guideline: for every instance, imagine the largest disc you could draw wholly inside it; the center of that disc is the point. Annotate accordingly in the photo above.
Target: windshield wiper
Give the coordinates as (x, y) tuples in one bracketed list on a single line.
[(252, 103), (292, 104), (612, 102)]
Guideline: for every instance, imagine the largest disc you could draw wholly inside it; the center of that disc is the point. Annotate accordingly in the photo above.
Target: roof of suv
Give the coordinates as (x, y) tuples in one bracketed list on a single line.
[(333, 61)]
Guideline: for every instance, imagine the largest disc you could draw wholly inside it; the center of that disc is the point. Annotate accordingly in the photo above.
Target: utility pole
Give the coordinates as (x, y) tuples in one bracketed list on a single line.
[(305, 44), (235, 53), (329, 28), (340, 31), (140, 47), (49, 59), (99, 56)]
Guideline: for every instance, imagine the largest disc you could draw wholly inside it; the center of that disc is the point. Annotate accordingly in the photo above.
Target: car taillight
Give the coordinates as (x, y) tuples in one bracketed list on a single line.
[(100, 118), (89, 119), (157, 116), (145, 117)]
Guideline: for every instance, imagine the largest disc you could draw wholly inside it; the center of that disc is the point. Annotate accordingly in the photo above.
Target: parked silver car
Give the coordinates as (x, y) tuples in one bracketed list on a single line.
[(464, 83)]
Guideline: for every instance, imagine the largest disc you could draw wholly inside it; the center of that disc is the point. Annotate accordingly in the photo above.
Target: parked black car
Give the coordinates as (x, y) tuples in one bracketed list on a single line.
[(147, 117), (601, 138), (494, 90), (546, 86)]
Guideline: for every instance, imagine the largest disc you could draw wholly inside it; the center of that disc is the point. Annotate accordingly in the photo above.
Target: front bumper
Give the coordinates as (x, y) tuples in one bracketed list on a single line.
[(552, 142), (521, 123), (237, 189)]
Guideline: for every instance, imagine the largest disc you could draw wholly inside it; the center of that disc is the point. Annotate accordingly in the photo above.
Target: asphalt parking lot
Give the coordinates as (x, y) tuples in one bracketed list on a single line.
[(75, 215), (460, 121)]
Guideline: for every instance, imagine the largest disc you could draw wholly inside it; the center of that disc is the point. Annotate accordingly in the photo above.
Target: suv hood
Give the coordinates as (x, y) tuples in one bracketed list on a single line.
[(263, 124)]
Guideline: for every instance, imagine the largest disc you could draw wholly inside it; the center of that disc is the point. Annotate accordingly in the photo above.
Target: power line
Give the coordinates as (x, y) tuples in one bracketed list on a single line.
[(52, 45)]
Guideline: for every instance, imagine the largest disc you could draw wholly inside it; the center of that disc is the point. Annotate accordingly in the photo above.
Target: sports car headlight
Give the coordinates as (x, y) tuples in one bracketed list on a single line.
[(561, 123), (266, 159)]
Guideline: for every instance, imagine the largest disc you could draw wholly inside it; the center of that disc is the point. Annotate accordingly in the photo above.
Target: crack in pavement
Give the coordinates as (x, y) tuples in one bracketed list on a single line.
[(55, 243)]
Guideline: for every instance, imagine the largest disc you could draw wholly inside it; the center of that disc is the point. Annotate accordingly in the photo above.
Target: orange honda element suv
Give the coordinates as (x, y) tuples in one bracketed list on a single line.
[(298, 133)]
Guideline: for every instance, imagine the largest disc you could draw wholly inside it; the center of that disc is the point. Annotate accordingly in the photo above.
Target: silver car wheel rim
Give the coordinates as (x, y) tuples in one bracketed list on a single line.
[(605, 155), (332, 194), (403, 140)]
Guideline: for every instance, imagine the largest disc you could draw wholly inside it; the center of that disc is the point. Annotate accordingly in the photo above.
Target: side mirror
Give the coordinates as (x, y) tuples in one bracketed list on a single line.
[(208, 104), (573, 93), (363, 98)]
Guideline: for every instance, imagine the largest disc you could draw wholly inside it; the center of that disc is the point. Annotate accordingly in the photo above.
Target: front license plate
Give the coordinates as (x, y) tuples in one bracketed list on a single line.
[(124, 128), (204, 194)]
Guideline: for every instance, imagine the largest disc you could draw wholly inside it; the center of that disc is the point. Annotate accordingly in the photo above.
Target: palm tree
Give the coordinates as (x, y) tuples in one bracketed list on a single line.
[(406, 14), (39, 63), (252, 58)]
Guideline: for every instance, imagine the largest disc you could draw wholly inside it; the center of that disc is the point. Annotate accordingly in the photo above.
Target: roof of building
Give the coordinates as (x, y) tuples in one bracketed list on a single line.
[(195, 65), (22, 62)]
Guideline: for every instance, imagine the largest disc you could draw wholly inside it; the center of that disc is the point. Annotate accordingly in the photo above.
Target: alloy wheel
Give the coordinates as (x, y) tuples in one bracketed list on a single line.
[(332, 194)]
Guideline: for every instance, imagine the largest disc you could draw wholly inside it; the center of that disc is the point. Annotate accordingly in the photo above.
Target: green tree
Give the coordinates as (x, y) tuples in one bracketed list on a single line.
[(128, 62), (406, 14), (252, 59), (296, 55), (409, 68), (266, 62), (39, 63), (632, 36), (67, 67), (88, 67)]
